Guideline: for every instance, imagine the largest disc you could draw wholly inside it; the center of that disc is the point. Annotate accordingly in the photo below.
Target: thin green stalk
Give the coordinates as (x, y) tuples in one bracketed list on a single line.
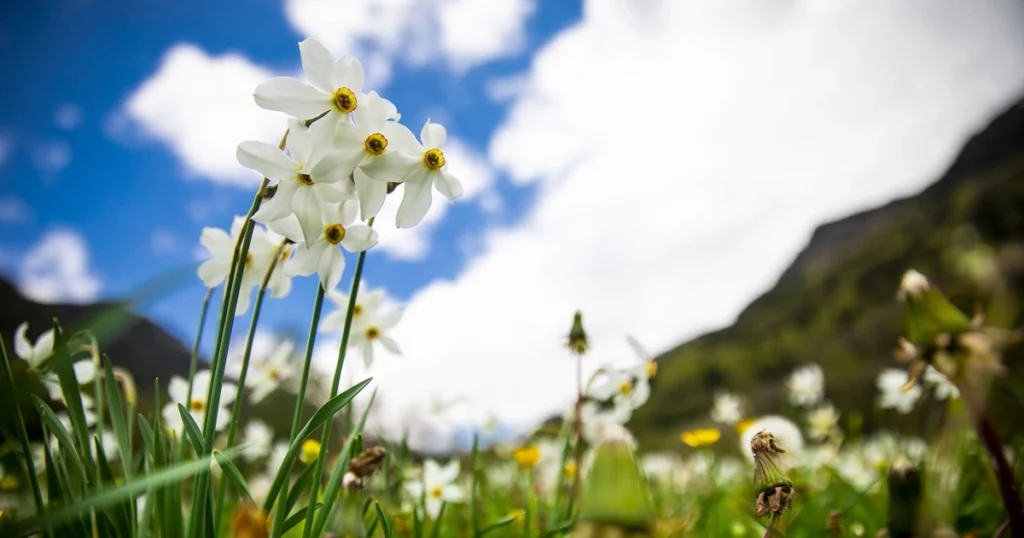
[(236, 408), (202, 483), (26, 449), (325, 438), (194, 362), (474, 517), (314, 324)]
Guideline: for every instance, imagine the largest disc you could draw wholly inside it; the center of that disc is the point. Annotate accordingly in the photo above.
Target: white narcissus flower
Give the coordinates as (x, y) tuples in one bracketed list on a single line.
[(373, 327), (944, 388), (645, 368), (276, 458), (271, 371), (366, 301), (621, 388), (424, 168), (806, 386), (34, 354), (256, 440), (370, 139), (727, 408), (323, 255), (822, 421), (221, 246), (177, 393), (305, 179), (85, 372), (438, 486), (594, 419), (334, 86), (890, 383)]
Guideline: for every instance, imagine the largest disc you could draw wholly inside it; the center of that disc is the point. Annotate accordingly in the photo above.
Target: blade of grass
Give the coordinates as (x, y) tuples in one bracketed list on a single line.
[(22, 433), (61, 363), (191, 430), (229, 470), (117, 416), (62, 435)]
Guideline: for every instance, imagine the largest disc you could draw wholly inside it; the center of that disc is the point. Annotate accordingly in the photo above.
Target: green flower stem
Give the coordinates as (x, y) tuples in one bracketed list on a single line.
[(231, 291), (314, 324), (1004, 473), (194, 362), (236, 408), (325, 438), (26, 449)]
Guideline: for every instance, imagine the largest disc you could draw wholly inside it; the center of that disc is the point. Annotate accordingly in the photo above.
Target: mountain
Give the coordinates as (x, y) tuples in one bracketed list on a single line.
[(836, 304)]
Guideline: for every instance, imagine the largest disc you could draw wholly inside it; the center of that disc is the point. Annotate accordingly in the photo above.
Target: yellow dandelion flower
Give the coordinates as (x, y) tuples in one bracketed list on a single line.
[(701, 437), (310, 451), (526, 456), (569, 470), (742, 425)]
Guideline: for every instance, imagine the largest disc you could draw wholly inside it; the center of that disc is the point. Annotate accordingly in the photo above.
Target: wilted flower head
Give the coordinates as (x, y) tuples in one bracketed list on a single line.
[(774, 489)]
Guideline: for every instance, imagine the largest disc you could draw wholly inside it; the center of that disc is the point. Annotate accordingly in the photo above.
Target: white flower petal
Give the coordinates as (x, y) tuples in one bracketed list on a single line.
[(392, 166), (367, 354), (371, 194), (212, 272), (177, 390), (306, 259), (449, 473), (85, 371), (266, 159), (278, 207), (433, 135), (307, 210), (433, 506), (359, 238), (447, 185), (216, 241), (348, 73), (43, 348), (401, 138), (337, 165), (332, 265), (317, 63), (372, 112), (22, 347), (244, 299), (331, 192), (389, 344), (293, 97), (416, 200), (287, 226), (452, 493)]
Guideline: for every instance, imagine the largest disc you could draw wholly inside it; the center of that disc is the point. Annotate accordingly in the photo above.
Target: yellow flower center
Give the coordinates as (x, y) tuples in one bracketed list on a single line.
[(517, 515), (433, 159), (701, 437), (652, 368), (344, 100), (626, 388), (569, 470), (305, 179), (274, 374), (357, 310), (375, 144), (436, 492), (196, 405), (248, 260), (526, 456), (372, 333), (334, 233), (310, 450)]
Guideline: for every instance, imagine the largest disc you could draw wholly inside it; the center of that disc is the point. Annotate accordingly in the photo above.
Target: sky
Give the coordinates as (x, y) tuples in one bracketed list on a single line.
[(655, 163)]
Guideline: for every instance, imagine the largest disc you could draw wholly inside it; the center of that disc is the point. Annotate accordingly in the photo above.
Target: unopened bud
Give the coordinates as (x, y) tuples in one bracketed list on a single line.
[(904, 498), (578, 341), (774, 489), (927, 311), (616, 498)]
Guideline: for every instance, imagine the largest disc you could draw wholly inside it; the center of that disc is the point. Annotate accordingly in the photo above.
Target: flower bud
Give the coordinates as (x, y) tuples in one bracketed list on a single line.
[(927, 311), (774, 489), (616, 499), (578, 342), (904, 498)]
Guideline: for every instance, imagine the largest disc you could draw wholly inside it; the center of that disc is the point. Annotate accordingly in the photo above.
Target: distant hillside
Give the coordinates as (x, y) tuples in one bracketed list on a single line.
[(836, 304)]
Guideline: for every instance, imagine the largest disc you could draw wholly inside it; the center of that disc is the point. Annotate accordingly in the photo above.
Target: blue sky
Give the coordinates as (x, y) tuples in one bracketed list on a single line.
[(656, 164)]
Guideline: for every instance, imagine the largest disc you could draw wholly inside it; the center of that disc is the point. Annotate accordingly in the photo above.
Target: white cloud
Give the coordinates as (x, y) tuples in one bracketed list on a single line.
[(51, 157), (502, 89), (14, 210), (163, 241), (56, 269), (201, 106), (683, 153), (477, 178), (464, 33), (68, 116)]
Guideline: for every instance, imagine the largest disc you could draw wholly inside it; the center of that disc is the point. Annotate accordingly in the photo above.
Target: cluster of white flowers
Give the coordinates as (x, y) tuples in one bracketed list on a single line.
[(806, 386), (344, 151), (372, 320), (617, 392)]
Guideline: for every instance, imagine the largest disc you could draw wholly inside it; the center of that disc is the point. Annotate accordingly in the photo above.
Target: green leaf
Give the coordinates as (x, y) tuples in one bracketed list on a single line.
[(117, 416), (62, 435), (61, 363), (120, 516), (298, 488), (298, 517), (499, 524), (322, 415), (107, 497), (385, 525), (191, 430), (148, 441), (11, 392), (232, 473)]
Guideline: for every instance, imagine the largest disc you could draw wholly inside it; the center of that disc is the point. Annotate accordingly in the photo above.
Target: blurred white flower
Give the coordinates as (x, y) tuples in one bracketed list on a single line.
[(366, 300), (34, 354), (269, 371), (727, 408), (85, 372), (420, 171), (437, 486), (822, 421), (943, 387), (256, 440), (177, 393), (259, 486), (806, 385), (276, 458), (221, 246), (622, 389), (890, 383), (372, 327)]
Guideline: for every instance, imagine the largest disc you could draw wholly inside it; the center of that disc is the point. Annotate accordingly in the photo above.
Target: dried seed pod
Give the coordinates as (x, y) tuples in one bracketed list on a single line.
[(774, 489)]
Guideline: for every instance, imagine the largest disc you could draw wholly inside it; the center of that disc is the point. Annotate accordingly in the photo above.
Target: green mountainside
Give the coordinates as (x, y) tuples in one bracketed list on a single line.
[(836, 304)]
